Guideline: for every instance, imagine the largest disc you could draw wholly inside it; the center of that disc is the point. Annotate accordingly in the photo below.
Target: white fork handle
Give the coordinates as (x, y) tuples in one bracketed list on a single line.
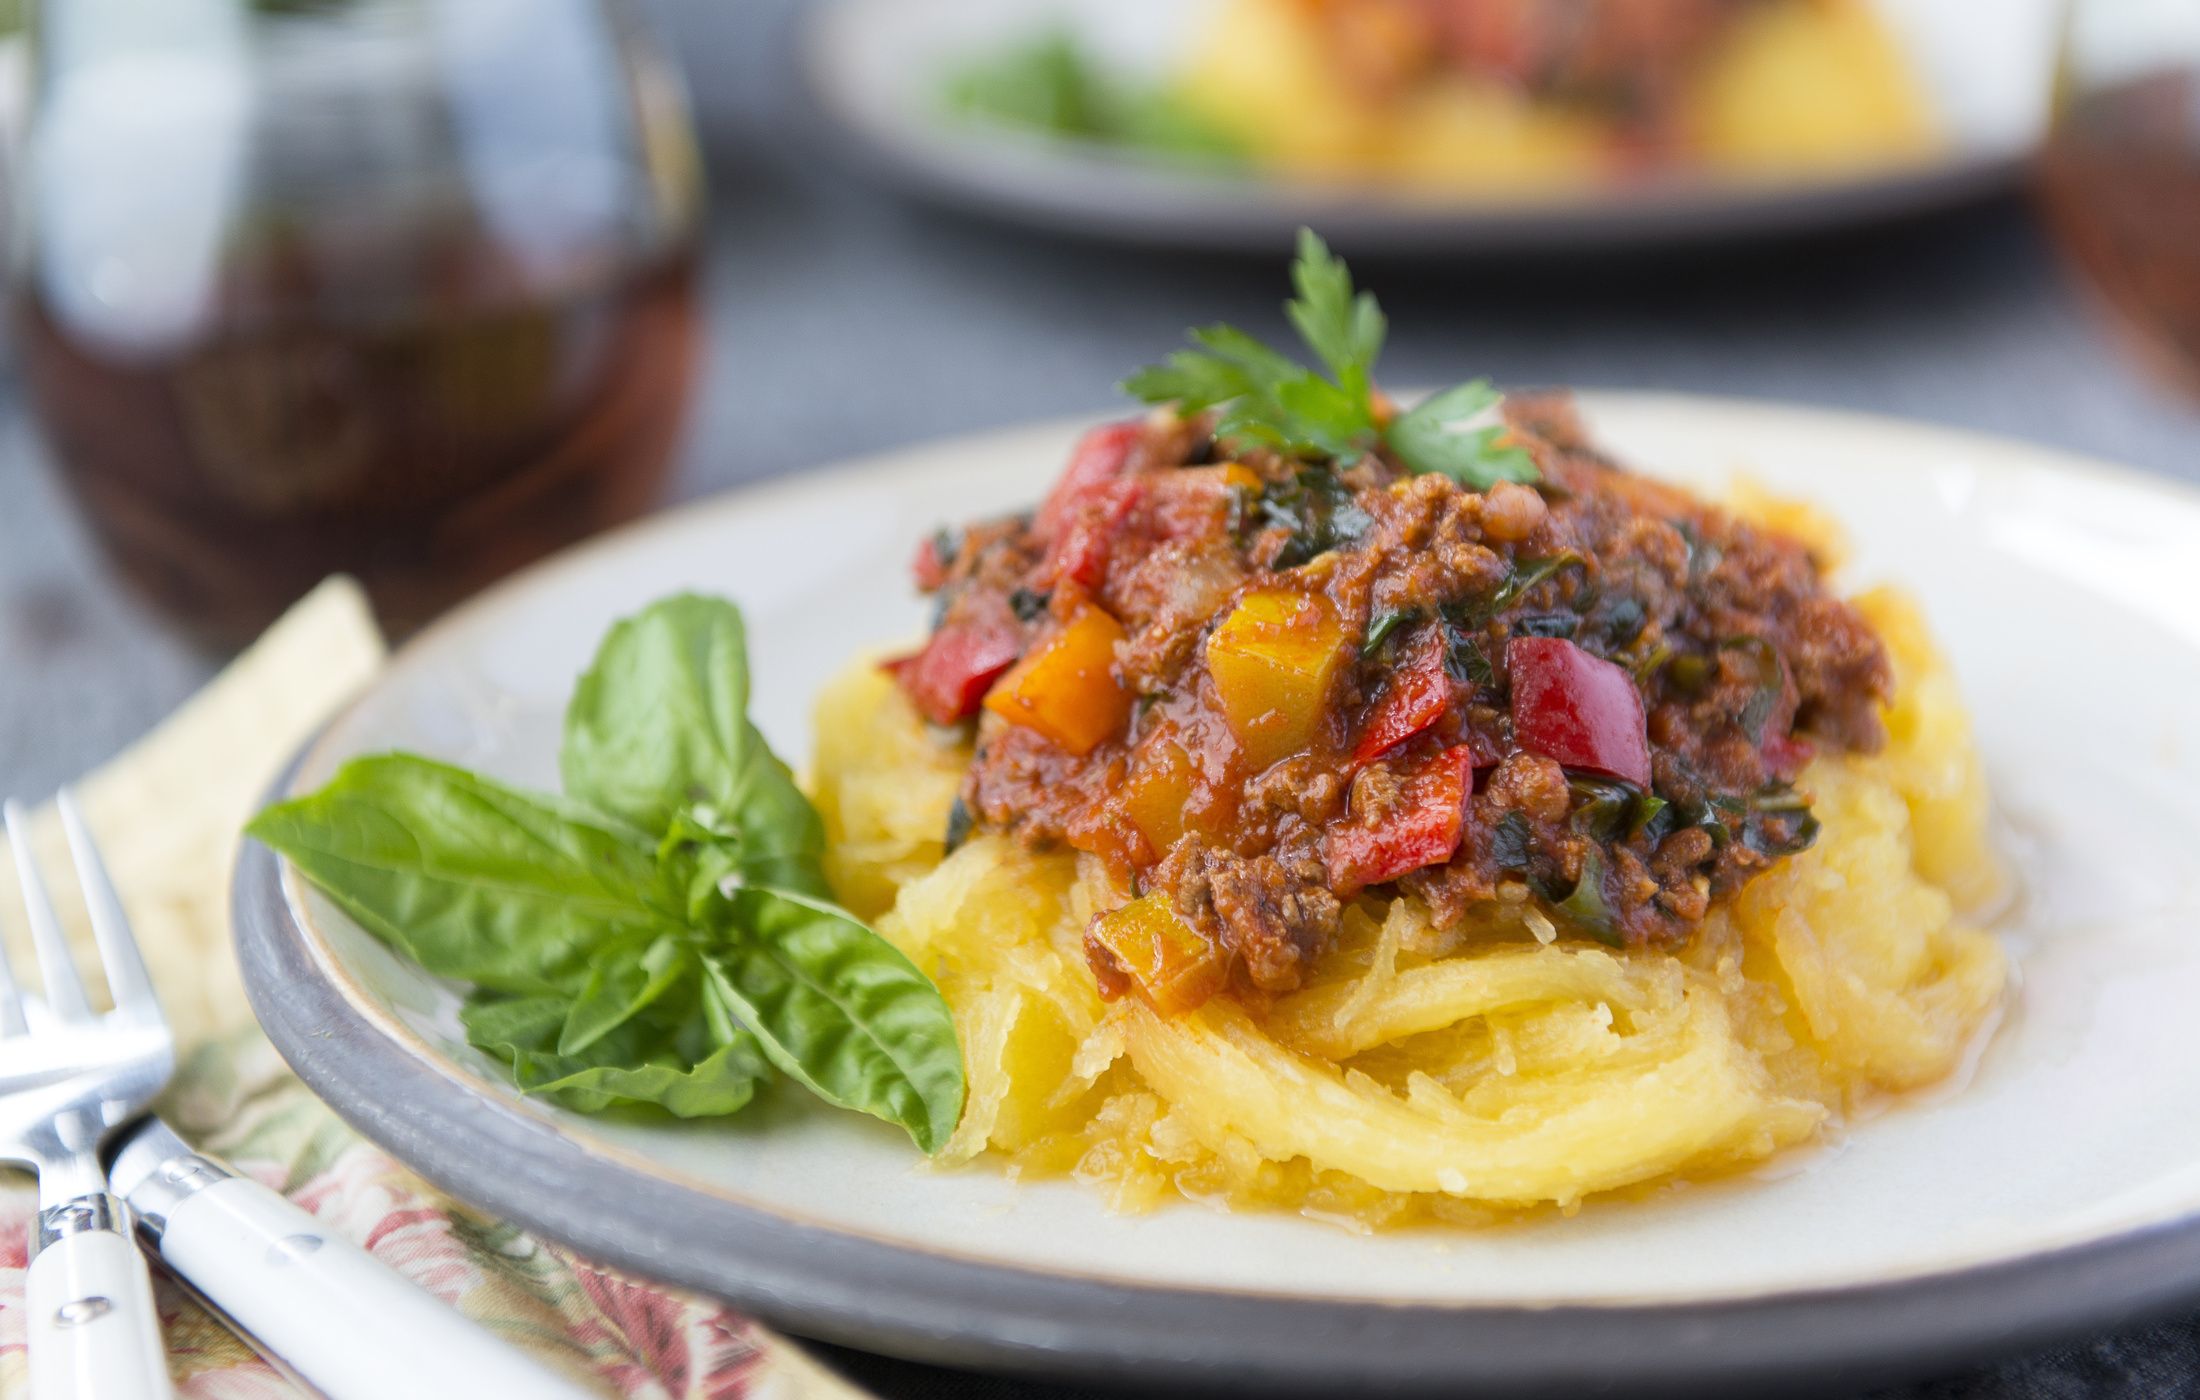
[(93, 1332), (346, 1323)]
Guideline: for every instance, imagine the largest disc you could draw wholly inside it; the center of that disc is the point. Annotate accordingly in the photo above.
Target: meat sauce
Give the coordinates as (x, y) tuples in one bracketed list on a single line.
[(1258, 687)]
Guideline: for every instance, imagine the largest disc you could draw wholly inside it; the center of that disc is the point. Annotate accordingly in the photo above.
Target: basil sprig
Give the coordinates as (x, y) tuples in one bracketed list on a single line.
[(661, 935)]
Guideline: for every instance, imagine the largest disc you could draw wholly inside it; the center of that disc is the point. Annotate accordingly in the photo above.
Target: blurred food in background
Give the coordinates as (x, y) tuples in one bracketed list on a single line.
[(1437, 128), (401, 288), (1492, 95), (1054, 85), (2119, 177), (14, 74)]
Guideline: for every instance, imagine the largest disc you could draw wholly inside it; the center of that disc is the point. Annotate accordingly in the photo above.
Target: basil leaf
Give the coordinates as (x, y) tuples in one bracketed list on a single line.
[(1511, 842), (1464, 659), (471, 879), (1607, 806), (657, 733), (1779, 834), (1439, 436), (960, 823), (1585, 908), (839, 1009), (622, 984), (666, 953), (1622, 622), (659, 721), (782, 839), (1770, 674), (1379, 629), (675, 1058), (1319, 512), (772, 838), (1550, 624)]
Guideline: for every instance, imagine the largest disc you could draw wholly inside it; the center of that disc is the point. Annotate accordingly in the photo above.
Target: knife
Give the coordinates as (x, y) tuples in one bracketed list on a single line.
[(345, 1323)]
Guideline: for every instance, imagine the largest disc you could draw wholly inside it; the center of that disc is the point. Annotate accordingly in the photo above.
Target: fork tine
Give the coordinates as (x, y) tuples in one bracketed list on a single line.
[(11, 996), (127, 981), (64, 989)]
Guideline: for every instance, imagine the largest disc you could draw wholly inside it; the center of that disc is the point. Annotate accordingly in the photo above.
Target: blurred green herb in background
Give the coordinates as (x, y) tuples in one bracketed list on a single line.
[(1052, 85)]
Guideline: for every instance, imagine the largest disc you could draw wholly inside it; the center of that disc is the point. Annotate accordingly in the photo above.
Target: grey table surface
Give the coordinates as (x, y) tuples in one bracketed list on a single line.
[(844, 321)]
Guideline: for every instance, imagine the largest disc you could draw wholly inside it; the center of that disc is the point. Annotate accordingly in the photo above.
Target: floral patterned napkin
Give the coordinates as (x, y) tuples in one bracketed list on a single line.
[(166, 814)]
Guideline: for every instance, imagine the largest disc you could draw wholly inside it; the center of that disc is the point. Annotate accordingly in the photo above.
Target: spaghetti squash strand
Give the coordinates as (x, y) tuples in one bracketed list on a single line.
[(1340, 1020), (1429, 1073), (1219, 1066)]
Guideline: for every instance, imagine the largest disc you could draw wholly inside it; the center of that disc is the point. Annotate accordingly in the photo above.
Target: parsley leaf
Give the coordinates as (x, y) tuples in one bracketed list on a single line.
[(1264, 398), (1450, 434), (1345, 330)]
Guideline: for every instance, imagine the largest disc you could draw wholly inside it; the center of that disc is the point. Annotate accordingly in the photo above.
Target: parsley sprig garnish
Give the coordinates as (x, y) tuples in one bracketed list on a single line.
[(1264, 398)]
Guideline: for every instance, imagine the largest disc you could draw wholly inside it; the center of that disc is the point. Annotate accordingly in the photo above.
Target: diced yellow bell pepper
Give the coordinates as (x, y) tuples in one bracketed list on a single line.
[(1157, 791), (1066, 689), (1272, 660), (1173, 967)]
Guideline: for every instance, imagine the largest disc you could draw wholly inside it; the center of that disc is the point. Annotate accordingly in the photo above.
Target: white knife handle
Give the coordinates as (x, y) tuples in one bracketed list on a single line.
[(93, 1333), (347, 1324)]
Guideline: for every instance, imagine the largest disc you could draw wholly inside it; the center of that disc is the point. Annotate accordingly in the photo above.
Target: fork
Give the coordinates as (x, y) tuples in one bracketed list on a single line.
[(66, 1083)]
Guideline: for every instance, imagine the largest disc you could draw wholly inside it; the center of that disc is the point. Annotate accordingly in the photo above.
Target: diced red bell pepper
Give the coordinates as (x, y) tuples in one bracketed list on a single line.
[(1094, 464), (1418, 696), (1424, 829), (947, 679), (1785, 755), (1079, 552), (927, 568), (1579, 709)]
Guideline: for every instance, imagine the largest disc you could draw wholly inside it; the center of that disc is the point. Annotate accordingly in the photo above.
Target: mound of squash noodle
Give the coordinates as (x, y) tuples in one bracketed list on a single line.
[(1449, 1073)]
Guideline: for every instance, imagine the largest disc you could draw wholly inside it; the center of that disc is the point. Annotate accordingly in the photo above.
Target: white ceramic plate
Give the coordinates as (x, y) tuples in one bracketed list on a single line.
[(2057, 1187), (876, 67)]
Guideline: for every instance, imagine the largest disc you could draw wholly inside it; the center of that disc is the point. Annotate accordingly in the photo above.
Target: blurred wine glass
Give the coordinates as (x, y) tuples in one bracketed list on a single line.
[(2119, 178), (402, 288)]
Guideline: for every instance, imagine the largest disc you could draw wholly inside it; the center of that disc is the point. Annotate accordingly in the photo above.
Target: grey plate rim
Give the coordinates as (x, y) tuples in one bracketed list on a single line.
[(921, 1306), (907, 1302), (1064, 188)]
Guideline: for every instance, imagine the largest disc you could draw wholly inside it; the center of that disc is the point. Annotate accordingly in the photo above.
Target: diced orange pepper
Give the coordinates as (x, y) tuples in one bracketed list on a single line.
[(1157, 791), (1164, 957), (1272, 660), (1067, 689), (1225, 475)]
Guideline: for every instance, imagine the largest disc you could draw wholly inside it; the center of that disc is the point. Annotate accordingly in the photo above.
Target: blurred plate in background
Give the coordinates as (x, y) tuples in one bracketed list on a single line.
[(879, 70)]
